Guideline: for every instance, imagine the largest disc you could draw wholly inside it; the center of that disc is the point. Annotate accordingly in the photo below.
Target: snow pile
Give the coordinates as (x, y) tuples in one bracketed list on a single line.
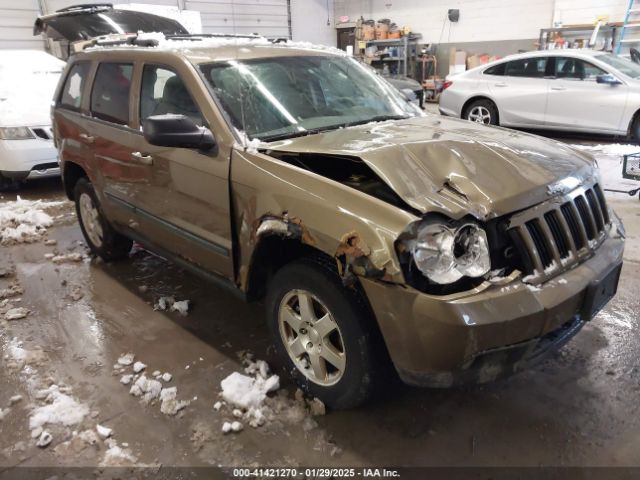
[(170, 303), (169, 405), (149, 390), (24, 221), (245, 397), (60, 409), (116, 455), (67, 258), (17, 313)]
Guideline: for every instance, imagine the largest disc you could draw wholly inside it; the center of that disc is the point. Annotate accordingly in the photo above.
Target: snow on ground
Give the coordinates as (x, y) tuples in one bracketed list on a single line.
[(60, 408), (246, 397), (150, 390), (609, 158), (24, 221), (171, 304)]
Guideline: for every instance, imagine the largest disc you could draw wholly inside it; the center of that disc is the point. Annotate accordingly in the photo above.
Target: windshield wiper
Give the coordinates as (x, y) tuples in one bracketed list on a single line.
[(377, 118), (302, 133)]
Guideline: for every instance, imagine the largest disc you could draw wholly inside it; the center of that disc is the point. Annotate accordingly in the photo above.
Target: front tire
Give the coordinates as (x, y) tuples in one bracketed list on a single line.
[(323, 334), (102, 239), (482, 111)]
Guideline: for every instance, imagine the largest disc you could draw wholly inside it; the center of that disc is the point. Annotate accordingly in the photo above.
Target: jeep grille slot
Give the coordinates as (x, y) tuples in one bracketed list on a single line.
[(555, 235)]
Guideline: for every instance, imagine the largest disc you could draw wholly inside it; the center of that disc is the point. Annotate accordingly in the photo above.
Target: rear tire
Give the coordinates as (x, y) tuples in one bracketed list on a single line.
[(102, 239), (482, 111), (634, 129), (9, 184), (341, 367)]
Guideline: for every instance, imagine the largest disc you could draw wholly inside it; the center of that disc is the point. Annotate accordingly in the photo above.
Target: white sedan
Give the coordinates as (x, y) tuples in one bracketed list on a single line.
[(569, 90), (28, 79)]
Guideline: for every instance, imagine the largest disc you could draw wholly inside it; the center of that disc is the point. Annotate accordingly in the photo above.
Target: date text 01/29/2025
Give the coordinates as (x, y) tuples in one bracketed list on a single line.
[(281, 473)]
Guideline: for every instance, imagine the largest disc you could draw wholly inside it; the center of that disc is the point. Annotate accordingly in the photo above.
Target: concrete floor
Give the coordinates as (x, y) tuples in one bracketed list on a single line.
[(580, 408)]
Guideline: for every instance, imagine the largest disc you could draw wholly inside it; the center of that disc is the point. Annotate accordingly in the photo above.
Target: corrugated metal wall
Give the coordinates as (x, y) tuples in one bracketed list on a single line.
[(16, 24), (266, 17)]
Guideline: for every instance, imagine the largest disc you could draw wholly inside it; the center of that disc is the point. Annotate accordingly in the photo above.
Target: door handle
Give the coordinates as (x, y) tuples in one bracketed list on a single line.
[(558, 88), (501, 84), (86, 138), (144, 159)]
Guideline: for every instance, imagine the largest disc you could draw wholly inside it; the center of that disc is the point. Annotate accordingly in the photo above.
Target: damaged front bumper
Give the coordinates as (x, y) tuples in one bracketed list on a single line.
[(490, 332)]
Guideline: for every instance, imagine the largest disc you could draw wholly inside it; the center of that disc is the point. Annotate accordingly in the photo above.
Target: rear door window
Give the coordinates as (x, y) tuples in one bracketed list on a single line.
[(71, 96), (577, 69), (162, 92), (110, 94), (527, 67)]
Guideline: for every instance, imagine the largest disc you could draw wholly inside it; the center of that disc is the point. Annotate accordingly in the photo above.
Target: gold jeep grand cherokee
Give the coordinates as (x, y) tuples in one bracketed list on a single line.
[(377, 235)]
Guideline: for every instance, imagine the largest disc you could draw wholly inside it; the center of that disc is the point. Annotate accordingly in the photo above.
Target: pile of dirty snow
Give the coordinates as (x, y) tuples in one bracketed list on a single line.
[(149, 390), (24, 221), (245, 397)]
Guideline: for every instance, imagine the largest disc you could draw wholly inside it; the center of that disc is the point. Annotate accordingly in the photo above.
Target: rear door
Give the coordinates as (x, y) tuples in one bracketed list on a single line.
[(520, 90), (113, 141), (577, 102), (69, 117), (184, 201)]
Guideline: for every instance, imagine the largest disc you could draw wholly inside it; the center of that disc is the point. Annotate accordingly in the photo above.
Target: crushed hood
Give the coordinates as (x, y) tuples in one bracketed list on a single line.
[(456, 167)]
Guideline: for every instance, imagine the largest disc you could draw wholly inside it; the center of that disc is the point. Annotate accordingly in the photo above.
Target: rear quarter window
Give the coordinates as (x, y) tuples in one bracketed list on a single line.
[(496, 69), (110, 93), (71, 95)]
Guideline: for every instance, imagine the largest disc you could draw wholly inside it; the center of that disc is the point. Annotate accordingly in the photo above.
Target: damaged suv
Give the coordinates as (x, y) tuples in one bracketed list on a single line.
[(377, 236)]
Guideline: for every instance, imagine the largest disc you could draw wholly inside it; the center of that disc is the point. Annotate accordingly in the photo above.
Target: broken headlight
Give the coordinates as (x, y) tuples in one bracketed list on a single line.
[(445, 254)]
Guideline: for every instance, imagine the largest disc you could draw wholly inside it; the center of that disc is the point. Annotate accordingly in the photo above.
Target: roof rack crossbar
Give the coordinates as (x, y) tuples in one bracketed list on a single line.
[(196, 36)]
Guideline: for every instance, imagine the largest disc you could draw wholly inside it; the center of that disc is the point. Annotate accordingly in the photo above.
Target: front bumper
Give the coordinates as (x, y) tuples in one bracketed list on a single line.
[(488, 332), (22, 159)]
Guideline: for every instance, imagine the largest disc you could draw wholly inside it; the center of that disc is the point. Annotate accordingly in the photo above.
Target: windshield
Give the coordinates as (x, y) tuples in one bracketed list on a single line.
[(282, 97), (623, 65)]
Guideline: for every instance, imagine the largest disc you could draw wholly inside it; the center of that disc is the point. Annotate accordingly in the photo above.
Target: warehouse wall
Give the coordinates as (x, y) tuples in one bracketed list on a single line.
[(309, 21), (481, 20), (16, 24)]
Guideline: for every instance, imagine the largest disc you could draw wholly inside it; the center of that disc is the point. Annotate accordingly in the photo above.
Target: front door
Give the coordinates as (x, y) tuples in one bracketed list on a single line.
[(578, 102), (185, 200)]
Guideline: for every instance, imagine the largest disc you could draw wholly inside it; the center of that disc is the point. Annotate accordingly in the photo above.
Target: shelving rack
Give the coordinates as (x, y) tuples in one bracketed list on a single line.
[(583, 31), (407, 52)]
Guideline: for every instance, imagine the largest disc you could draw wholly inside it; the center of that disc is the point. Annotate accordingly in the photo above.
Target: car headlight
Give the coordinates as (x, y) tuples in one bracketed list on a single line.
[(445, 255), (15, 133)]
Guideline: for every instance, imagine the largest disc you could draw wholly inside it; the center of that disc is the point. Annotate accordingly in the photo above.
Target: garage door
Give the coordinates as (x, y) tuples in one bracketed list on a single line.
[(16, 24), (266, 17)]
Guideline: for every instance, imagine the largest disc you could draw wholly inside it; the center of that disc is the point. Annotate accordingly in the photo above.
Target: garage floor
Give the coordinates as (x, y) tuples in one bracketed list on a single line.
[(578, 408)]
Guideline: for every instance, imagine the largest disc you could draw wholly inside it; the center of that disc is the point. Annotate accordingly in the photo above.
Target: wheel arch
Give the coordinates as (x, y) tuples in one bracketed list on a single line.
[(71, 173), (475, 98), (634, 118)]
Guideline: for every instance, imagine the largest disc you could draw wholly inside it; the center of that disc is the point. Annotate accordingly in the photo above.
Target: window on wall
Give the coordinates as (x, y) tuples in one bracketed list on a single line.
[(110, 94), (71, 96), (577, 69), (527, 67), (163, 91)]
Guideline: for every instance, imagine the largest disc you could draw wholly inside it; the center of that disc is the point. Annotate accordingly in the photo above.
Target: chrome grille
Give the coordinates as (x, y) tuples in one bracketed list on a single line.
[(557, 234)]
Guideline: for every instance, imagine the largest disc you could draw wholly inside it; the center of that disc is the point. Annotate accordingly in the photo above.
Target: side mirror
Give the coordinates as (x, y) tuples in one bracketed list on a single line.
[(608, 79), (177, 131)]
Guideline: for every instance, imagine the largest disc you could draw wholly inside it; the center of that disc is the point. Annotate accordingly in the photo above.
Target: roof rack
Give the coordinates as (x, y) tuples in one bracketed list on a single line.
[(114, 39), (199, 36)]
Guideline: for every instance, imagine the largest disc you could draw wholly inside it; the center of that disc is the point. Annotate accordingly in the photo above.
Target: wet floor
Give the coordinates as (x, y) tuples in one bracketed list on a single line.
[(580, 408)]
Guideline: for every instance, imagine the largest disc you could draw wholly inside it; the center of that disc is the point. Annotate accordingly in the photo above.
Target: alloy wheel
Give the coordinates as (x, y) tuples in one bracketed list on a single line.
[(479, 114), (90, 218), (311, 337)]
